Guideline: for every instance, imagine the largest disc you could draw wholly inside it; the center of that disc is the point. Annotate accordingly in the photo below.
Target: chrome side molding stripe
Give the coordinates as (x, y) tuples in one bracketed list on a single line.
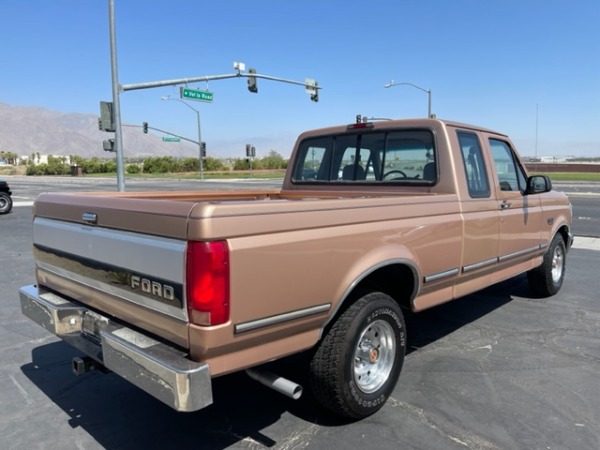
[(281, 318), (519, 253), (479, 265), (440, 275), (482, 264)]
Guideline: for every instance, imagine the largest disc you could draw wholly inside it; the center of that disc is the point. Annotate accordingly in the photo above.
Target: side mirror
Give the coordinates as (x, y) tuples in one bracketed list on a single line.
[(538, 184)]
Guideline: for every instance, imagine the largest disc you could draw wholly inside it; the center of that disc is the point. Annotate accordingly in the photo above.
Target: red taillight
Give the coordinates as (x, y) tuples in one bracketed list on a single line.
[(208, 282)]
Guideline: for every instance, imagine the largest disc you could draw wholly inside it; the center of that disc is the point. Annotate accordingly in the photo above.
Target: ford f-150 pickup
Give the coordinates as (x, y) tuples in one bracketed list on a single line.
[(172, 289)]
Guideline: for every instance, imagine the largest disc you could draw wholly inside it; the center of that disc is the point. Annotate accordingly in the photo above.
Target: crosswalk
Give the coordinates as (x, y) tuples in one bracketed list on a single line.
[(586, 243)]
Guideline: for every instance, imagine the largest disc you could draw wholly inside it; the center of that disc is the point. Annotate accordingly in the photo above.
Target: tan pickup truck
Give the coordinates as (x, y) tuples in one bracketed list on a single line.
[(170, 290)]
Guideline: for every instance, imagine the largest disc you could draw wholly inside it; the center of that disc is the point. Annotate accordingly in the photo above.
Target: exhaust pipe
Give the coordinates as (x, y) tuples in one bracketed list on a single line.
[(83, 365), (277, 383)]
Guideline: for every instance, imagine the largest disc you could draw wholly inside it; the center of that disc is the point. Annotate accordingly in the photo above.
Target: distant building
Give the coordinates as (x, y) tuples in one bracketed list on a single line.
[(552, 159)]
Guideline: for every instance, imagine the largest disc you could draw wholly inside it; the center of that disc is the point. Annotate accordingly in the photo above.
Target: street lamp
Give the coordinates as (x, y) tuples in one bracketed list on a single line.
[(428, 91), (168, 97)]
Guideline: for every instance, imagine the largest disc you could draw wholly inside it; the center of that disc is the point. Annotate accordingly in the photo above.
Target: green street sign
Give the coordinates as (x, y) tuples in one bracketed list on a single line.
[(195, 94), (171, 139)]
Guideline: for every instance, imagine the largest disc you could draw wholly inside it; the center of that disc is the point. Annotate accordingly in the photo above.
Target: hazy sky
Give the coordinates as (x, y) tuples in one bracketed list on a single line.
[(508, 65)]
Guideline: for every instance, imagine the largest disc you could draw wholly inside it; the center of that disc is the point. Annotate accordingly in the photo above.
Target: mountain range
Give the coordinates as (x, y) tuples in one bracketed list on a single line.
[(27, 130)]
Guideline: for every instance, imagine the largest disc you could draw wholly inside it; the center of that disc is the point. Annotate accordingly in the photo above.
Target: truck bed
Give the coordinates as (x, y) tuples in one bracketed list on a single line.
[(196, 215)]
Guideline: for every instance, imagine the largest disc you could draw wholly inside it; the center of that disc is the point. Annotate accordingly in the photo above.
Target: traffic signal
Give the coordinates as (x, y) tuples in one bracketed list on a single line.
[(108, 145), (145, 127), (315, 95), (107, 119), (248, 150), (252, 86), (312, 89), (203, 149)]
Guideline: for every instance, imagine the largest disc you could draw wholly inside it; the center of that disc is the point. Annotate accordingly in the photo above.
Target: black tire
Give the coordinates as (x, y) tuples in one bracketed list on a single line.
[(357, 363), (5, 203), (547, 279)]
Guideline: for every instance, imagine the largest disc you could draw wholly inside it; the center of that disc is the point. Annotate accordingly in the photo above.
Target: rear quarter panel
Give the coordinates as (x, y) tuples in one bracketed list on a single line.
[(313, 259)]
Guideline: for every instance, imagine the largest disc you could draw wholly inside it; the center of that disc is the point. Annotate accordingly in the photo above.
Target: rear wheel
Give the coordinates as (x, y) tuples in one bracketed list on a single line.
[(358, 362), (547, 279), (5, 203)]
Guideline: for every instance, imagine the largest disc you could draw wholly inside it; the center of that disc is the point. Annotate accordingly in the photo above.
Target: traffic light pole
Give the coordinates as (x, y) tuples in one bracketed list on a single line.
[(310, 85), (115, 95)]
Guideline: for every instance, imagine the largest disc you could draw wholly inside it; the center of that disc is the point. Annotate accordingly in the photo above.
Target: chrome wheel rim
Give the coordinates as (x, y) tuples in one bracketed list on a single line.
[(374, 356), (558, 259)]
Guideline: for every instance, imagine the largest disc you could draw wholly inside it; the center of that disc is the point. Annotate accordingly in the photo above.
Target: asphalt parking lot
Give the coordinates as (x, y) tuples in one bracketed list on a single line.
[(496, 370)]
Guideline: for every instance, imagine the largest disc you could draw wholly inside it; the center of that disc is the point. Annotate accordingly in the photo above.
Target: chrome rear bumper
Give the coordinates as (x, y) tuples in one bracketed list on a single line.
[(162, 371)]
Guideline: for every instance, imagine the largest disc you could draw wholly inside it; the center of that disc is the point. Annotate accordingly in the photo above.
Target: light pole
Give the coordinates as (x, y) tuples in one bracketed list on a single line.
[(168, 97), (428, 91)]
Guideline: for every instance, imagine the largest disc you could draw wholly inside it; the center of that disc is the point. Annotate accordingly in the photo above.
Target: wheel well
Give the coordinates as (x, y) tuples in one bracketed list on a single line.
[(564, 232), (399, 281), (396, 280)]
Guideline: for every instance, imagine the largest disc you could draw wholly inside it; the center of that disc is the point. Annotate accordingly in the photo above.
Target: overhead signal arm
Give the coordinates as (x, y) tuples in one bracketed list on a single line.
[(310, 85)]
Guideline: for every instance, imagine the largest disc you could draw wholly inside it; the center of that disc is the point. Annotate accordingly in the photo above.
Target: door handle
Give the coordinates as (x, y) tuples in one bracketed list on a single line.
[(505, 205)]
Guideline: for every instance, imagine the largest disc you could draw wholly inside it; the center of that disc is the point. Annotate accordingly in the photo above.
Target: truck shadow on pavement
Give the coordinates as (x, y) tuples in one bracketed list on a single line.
[(428, 326), (118, 415)]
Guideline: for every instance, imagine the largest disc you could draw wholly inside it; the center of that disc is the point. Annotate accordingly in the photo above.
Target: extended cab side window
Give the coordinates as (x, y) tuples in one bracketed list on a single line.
[(477, 179), (510, 173), (314, 164)]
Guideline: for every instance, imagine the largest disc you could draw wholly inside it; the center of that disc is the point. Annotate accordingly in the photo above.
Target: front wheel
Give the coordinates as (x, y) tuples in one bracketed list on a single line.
[(5, 203), (358, 362), (547, 279)]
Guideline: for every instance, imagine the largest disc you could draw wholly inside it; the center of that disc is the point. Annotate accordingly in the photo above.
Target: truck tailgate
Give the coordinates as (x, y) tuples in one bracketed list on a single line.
[(122, 257)]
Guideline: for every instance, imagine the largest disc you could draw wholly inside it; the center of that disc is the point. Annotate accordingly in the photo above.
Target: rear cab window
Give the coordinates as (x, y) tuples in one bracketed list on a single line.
[(368, 157)]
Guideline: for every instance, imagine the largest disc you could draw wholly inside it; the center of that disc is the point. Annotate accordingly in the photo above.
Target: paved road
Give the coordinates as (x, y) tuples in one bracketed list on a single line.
[(585, 197), (496, 370)]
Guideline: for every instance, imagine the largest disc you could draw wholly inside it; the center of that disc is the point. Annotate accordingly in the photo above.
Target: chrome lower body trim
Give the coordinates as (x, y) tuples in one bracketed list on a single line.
[(440, 275), (281, 318), (163, 371), (479, 265), (519, 253)]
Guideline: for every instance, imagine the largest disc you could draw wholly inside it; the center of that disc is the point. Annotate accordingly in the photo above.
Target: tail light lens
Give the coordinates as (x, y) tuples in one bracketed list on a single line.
[(208, 282)]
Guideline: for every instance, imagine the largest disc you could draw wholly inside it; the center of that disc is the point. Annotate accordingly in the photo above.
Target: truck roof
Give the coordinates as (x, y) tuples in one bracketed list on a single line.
[(395, 123)]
